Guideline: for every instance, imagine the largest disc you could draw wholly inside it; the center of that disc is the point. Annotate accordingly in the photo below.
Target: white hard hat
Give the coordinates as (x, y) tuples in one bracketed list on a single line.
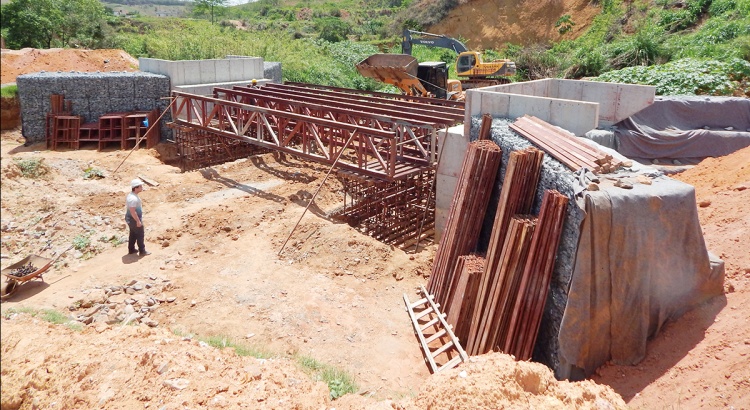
[(136, 182)]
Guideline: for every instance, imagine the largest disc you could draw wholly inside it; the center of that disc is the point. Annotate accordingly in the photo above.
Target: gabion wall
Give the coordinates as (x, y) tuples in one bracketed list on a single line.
[(92, 95), (272, 71), (556, 176)]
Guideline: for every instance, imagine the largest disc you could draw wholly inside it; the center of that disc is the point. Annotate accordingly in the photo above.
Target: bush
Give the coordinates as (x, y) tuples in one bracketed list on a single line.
[(689, 77), (9, 91), (31, 167), (339, 382)]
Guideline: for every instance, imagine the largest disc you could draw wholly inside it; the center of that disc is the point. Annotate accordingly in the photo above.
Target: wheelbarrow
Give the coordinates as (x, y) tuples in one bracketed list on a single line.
[(14, 277)]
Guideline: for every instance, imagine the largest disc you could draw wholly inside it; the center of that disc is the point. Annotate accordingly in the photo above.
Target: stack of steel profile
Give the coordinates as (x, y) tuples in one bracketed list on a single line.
[(528, 305), (564, 146), (490, 320), (468, 207), (460, 305), (517, 197)]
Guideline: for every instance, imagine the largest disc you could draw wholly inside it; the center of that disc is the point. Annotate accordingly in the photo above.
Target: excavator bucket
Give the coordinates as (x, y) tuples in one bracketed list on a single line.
[(389, 68)]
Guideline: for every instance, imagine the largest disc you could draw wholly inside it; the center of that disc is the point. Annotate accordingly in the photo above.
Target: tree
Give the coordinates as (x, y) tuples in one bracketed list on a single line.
[(332, 29), (209, 6), (82, 21), (30, 23), (39, 23)]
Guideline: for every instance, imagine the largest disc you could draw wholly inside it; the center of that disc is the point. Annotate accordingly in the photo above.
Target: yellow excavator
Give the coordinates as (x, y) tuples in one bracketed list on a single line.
[(430, 79), (473, 71)]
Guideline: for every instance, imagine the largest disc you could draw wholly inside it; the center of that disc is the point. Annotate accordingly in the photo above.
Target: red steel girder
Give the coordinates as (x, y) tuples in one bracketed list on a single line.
[(394, 103), (373, 152), (426, 100), (416, 138)]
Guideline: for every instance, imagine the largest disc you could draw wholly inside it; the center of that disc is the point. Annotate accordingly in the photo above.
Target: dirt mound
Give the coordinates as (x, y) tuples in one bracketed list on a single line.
[(136, 367), (491, 24), (30, 60)]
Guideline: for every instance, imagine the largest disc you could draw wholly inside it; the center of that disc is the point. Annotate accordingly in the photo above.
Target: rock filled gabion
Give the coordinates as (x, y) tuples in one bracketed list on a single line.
[(272, 71), (554, 176), (91, 94)]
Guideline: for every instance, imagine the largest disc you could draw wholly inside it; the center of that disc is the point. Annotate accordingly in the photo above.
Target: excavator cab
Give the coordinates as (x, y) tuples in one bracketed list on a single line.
[(434, 77), (465, 62)]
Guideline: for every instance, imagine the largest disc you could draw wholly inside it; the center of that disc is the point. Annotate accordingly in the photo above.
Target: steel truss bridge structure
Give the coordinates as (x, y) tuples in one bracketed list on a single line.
[(363, 135)]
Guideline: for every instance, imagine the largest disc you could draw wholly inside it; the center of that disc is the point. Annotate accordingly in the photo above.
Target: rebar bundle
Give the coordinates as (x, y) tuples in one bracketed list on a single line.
[(198, 149)]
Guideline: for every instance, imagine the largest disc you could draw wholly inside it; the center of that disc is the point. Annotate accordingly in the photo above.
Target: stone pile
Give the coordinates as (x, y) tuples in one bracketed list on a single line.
[(132, 303)]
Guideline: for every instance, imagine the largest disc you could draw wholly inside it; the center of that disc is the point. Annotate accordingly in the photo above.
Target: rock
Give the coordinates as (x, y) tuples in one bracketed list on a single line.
[(742, 187), (729, 128), (398, 275), (161, 368), (132, 282), (92, 311), (101, 318), (677, 162), (593, 187), (624, 184), (149, 322), (138, 287), (171, 299), (643, 180), (176, 384), (704, 203), (95, 296)]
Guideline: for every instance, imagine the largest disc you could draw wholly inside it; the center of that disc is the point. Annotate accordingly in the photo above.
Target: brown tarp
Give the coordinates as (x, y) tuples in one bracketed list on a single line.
[(641, 260)]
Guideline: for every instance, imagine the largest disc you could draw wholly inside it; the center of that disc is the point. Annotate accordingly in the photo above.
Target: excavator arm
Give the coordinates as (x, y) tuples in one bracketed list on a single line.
[(430, 40)]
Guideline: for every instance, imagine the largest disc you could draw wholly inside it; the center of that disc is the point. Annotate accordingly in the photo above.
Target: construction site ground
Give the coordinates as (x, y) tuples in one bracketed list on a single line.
[(334, 295)]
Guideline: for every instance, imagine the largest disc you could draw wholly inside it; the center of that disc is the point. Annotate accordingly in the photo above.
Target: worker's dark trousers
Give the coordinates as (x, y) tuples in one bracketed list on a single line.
[(136, 235)]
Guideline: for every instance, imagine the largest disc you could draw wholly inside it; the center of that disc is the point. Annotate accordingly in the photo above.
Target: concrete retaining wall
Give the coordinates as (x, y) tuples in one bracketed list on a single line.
[(453, 148), (190, 72), (575, 105), (208, 89), (92, 95), (578, 117)]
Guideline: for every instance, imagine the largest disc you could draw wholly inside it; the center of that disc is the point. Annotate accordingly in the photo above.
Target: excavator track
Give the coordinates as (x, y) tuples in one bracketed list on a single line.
[(468, 84)]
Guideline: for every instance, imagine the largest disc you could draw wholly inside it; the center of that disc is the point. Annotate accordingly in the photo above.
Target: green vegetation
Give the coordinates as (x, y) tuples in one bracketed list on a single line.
[(339, 382), (48, 315), (209, 7), (93, 173), (221, 342), (81, 242), (114, 240), (688, 76), (9, 91), (48, 23), (319, 41), (31, 167)]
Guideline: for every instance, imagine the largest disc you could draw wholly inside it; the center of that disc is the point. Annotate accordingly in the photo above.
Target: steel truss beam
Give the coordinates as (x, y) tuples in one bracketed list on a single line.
[(384, 145)]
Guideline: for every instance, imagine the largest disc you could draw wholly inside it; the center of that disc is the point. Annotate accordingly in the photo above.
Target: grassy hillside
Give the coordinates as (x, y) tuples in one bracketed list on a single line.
[(681, 46)]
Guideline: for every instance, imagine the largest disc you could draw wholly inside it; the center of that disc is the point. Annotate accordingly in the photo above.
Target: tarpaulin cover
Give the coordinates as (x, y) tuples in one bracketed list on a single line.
[(641, 260), (686, 127)]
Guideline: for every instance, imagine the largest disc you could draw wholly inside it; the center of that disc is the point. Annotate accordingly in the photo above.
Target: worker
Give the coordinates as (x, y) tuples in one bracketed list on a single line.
[(134, 219), (254, 83)]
